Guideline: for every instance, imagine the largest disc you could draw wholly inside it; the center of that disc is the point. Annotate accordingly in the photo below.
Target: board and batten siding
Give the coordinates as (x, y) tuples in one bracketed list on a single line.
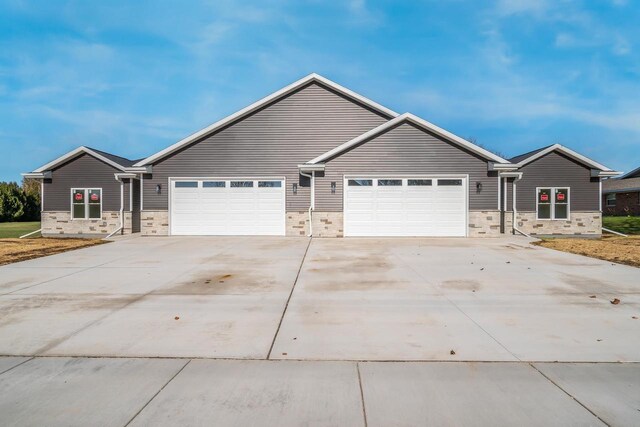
[(270, 142), (556, 170), (83, 171), (407, 149)]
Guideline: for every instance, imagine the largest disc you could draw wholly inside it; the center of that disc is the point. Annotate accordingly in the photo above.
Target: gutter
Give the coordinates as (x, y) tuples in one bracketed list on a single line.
[(313, 199)]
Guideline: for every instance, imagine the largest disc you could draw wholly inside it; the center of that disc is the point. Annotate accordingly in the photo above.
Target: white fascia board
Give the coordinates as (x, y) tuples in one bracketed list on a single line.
[(569, 152), (597, 173), (311, 167), (37, 175), (260, 103), (408, 117), (74, 153), (511, 175), (120, 176), (140, 169), (502, 166)]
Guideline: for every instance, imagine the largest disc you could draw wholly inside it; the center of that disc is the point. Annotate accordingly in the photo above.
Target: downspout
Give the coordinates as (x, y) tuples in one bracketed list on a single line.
[(121, 207), (515, 212), (313, 199)]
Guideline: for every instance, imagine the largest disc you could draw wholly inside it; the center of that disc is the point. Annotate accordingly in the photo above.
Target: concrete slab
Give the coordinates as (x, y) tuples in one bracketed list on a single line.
[(564, 327), (395, 326), (15, 279), (81, 392), (7, 363), (258, 393), (110, 281), (610, 390), (469, 394), (32, 324), (220, 326)]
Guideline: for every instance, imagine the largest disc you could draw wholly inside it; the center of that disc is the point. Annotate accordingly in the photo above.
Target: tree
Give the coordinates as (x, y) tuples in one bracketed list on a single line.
[(31, 189), (12, 202)]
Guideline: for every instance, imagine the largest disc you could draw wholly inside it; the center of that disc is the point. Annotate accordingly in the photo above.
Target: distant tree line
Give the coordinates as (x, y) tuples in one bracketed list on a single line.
[(20, 202)]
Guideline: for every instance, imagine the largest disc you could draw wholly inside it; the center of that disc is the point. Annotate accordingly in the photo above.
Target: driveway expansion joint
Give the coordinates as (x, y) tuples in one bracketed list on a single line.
[(569, 394), (284, 312)]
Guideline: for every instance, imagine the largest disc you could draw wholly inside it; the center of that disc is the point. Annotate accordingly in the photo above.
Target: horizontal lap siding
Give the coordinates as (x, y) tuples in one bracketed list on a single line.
[(407, 150), (557, 170), (84, 171), (270, 142)]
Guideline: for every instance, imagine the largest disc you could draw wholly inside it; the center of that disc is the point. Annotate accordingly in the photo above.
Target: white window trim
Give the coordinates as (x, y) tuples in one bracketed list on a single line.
[(606, 199), (86, 203), (553, 203)]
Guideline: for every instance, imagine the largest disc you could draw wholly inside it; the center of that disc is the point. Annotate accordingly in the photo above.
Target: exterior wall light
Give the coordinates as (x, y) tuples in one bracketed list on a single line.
[(295, 188), (478, 186), (333, 187), (158, 188)]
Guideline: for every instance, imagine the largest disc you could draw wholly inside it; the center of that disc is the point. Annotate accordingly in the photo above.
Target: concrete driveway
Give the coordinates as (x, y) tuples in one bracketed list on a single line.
[(345, 299), (337, 307)]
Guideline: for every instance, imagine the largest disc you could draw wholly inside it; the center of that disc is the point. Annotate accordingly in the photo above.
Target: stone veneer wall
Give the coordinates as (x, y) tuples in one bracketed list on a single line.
[(484, 223), (580, 223), (154, 223), (328, 224), (297, 223), (59, 223)]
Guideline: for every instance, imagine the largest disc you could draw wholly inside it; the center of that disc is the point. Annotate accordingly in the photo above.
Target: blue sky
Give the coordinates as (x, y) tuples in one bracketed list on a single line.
[(133, 77)]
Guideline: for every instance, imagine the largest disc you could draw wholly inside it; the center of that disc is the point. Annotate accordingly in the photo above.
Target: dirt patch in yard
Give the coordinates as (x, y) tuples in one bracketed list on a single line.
[(622, 250), (16, 250)]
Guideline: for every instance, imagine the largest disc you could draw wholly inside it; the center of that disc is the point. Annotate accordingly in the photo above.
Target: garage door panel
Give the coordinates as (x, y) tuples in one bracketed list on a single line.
[(215, 207), (406, 210)]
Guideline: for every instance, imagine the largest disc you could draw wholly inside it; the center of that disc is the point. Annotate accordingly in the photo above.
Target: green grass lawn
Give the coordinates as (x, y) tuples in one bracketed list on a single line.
[(17, 229), (622, 224)]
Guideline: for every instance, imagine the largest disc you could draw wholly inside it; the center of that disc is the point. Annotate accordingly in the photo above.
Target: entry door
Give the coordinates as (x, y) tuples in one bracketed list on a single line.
[(228, 207), (420, 206)]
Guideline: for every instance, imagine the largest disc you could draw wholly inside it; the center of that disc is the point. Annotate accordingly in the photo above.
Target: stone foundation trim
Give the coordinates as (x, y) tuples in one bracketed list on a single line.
[(59, 223), (328, 224), (154, 223), (297, 223), (580, 223), (484, 223)]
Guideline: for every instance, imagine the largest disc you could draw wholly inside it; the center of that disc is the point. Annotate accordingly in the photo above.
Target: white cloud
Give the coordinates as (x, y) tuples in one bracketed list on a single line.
[(621, 46)]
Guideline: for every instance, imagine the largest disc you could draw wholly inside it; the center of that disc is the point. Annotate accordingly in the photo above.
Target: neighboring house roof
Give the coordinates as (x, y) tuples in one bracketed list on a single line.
[(524, 159), (633, 174), (117, 162), (521, 157), (407, 118), (311, 78), (620, 185)]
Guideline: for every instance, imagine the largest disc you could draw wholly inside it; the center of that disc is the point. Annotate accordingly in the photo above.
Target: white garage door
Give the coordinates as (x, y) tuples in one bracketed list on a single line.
[(228, 207), (428, 206)]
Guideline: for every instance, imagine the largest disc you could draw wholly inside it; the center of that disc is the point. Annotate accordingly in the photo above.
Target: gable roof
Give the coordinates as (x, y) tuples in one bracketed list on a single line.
[(311, 78), (117, 162), (633, 174), (534, 155), (408, 118)]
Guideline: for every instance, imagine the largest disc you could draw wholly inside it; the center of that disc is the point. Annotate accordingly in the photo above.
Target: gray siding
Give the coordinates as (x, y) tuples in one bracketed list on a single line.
[(84, 171), (135, 215), (407, 149), (557, 170), (270, 142)]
